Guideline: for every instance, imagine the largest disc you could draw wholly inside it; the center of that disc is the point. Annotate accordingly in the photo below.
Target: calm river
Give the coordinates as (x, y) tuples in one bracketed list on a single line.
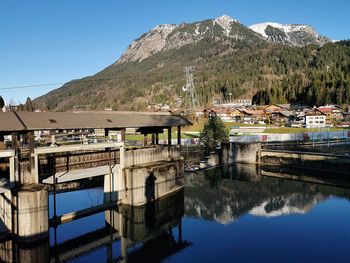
[(228, 214)]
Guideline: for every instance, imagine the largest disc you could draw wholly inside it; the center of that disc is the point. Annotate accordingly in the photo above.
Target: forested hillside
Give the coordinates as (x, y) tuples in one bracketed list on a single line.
[(230, 59)]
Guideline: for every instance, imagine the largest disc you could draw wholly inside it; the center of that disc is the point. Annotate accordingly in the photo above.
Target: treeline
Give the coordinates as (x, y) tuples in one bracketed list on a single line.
[(325, 79), (27, 106)]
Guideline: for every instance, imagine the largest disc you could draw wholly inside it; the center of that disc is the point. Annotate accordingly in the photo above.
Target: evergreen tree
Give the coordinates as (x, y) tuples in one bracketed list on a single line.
[(28, 106), (2, 103), (214, 133)]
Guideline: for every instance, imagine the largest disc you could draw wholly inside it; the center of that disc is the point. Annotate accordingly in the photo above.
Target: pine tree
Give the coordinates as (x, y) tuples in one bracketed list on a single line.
[(28, 106), (214, 133), (2, 103)]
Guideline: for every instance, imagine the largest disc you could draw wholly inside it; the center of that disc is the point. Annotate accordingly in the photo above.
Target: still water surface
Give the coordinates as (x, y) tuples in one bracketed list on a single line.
[(226, 214)]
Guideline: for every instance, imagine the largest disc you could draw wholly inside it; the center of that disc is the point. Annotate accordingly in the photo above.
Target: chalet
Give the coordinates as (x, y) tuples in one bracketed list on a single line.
[(223, 114), (315, 119), (236, 115), (281, 117), (253, 116), (333, 113), (273, 108)]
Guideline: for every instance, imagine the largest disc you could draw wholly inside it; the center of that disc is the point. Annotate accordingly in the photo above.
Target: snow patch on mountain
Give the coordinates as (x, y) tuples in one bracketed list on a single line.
[(225, 22), (286, 28), (285, 210), (292, 34)]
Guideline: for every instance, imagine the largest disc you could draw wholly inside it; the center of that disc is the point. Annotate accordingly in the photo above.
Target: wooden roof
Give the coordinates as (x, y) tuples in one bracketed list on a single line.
[(14, 121), (10, 122), (315, 112)]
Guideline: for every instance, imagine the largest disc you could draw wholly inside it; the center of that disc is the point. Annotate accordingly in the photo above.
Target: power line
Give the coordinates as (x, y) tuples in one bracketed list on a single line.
[(79, 81), (31, 86)]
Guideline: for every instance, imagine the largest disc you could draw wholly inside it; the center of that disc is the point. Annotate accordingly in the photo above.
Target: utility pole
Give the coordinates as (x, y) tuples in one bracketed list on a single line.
[(190, 88)]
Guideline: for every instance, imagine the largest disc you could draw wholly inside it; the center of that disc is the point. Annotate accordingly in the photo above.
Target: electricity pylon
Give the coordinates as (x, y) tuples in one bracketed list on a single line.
[(191, 99)]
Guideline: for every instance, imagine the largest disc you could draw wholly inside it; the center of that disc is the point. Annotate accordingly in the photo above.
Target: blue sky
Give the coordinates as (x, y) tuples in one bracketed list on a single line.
[(55, 41)]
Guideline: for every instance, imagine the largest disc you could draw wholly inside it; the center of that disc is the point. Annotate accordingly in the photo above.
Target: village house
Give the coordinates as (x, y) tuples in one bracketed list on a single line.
[(253, 116), (333, 114), (315, 119), (236, 115)]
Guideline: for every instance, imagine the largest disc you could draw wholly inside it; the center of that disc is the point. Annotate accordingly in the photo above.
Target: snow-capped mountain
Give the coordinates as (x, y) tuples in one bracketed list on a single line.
[(286, 205), (170, 36), (291, 34), (167, 37)]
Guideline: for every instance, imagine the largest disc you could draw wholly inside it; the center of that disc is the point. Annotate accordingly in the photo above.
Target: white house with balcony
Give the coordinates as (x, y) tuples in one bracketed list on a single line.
[(315, 119)]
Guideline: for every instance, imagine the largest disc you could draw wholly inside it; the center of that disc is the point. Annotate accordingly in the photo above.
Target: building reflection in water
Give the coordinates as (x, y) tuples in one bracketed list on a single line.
[(149, 233)]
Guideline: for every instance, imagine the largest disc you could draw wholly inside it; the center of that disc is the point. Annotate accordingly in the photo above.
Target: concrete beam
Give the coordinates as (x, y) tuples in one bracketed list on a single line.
[(7, 153), (78, 147)]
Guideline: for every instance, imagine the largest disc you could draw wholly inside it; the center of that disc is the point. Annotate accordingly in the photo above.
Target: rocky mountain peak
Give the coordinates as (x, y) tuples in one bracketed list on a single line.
[(225, 22), (291, 34), (170, 36)]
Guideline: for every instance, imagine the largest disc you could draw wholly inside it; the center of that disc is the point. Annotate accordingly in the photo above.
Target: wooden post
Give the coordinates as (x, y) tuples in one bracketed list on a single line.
[(106, 134), (145, 139), (169, 136), (157, 138), (123, 135), (179, 135), (2, 142), (153, 138)]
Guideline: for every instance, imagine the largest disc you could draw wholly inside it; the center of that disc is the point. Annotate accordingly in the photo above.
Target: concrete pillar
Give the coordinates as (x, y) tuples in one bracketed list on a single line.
[(12, 169), (153, 138), (36, 252), (31, 218), (113, 185), (15, 162), (179, 135), (225, 151), (120, 177), (169, 136), (157, 138)]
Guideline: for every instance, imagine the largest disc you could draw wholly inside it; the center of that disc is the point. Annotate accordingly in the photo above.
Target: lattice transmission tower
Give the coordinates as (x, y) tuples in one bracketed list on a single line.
[(191, 95)]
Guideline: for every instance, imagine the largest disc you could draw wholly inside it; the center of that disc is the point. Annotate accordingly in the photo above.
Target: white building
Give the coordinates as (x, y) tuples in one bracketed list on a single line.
[(315, 119)]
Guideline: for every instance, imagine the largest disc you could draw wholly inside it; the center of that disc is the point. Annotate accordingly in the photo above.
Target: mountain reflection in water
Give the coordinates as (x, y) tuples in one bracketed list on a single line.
[(224, 194), (225, 214)]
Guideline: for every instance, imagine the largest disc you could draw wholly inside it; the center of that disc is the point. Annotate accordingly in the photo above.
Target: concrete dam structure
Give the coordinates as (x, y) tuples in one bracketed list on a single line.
[(131, 176)]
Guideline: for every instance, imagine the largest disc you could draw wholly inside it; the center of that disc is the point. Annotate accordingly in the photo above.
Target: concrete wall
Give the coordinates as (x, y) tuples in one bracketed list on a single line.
[(148, 182), (151, 155), (245, 152), (310, 160), (305, 136)]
